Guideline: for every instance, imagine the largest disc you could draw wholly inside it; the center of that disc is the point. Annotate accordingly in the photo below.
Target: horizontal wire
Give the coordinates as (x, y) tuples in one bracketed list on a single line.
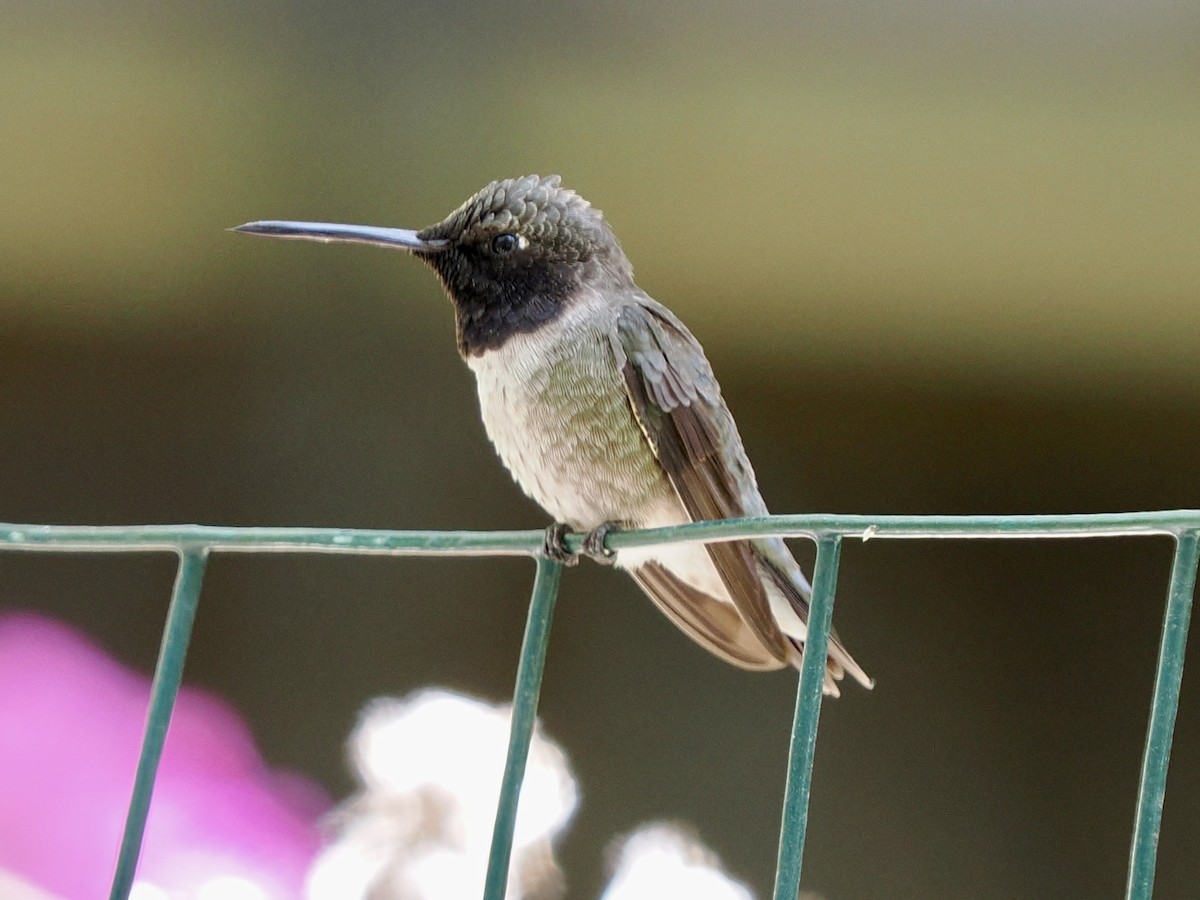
[(188, 538)]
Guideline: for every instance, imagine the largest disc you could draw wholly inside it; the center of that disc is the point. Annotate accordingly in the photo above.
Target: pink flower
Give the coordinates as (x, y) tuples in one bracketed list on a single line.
[(71, 723)]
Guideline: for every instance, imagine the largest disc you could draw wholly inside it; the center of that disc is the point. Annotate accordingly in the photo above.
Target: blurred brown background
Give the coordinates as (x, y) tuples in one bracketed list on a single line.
[(944, 258)]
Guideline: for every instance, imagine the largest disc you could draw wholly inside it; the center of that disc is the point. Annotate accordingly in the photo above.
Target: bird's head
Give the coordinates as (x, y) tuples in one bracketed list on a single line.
[(511, 258)]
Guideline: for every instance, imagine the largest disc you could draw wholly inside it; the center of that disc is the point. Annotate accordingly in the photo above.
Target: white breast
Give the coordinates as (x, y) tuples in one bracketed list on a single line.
[(554, 406)]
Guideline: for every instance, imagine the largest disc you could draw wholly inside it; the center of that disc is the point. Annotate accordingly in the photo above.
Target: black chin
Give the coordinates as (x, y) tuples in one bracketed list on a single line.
[(491, 310)]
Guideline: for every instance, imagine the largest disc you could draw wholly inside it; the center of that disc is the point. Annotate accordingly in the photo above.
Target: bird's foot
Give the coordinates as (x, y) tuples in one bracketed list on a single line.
[(593, 544), (554, 544)]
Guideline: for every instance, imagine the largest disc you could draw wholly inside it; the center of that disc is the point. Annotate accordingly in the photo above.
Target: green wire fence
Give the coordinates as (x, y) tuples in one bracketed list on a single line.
[(194, 544)]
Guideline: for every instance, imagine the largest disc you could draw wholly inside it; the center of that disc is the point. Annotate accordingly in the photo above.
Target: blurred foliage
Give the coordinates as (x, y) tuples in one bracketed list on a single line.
[(994, 187)]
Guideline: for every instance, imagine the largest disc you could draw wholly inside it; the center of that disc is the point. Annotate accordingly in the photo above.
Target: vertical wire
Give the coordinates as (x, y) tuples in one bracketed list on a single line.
[(808, 713), (167, 676), (524, 714), (1152, 788)]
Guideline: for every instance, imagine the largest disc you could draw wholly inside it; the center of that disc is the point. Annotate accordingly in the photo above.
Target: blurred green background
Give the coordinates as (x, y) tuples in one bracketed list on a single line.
[(944, 258)]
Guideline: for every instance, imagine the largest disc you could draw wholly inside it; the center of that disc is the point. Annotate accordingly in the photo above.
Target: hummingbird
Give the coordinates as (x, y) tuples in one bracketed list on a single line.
[(605, 410)]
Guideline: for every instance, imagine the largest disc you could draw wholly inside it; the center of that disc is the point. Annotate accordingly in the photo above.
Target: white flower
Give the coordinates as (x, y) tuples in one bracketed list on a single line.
[(430, 767), (662, 860)]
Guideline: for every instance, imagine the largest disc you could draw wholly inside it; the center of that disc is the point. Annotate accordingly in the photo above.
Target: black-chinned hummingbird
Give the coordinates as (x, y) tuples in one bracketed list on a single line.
[(605, 410)]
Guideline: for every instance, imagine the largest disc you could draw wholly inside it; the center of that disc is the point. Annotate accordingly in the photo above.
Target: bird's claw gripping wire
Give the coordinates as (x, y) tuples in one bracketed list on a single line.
[(554, 545), (593, 544)]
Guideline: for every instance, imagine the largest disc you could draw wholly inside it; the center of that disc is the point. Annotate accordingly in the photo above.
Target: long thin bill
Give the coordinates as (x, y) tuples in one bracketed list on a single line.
[(329, 232)]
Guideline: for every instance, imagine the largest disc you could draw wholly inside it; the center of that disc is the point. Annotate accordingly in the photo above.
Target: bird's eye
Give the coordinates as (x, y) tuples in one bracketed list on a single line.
[(504, 243)]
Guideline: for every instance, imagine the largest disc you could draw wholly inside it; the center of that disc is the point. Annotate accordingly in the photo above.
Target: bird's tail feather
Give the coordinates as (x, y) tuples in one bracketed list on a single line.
[(839, 661)]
